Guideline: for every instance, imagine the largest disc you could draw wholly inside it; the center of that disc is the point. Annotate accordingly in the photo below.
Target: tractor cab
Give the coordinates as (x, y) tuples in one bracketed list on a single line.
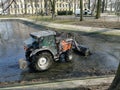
[(44, 39), (41, 40)]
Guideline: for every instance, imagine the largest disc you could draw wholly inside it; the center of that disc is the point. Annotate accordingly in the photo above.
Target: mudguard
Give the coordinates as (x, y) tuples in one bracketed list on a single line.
[(41, 50)]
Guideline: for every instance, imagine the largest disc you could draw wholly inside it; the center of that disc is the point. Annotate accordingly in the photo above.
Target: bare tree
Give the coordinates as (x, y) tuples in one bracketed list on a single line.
[(53, 8), (46, 7), (81, 10), (116, 82), (106, 4), (21, 6), (8, 2), (25, 4), (117, 7), (103, 6), (2, 5), (93, 7), (75, 5), (111, 5), (98, 9), (88, 4), (31, 4), (36, 7)]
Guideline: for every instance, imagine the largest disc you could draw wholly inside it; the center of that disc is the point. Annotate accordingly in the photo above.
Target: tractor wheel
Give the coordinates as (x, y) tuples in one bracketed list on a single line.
[(43, 61), (68, 56)]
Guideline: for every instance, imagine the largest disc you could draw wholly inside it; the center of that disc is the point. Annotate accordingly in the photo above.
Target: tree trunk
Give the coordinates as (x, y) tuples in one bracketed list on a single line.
[(88, 4), (53, 8), (25, 3), (70, 2), (81, 10), (93, 7), (74, 6), (31, 2), (106, 4), (36, 11), (117, 8), (53, 13), (103, 6), (116, 82), (111, 6), (98, 9), (69, 6), (46, 7)]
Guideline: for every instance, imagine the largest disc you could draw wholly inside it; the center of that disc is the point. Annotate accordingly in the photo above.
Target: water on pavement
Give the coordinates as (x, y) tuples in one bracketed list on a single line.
[(103, 61)]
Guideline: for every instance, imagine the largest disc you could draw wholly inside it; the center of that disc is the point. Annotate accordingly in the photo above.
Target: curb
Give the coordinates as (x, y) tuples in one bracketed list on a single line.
[(73, 83)]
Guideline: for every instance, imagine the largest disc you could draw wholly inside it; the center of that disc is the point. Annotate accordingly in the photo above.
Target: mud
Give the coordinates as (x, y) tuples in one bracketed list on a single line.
[(103, 61)]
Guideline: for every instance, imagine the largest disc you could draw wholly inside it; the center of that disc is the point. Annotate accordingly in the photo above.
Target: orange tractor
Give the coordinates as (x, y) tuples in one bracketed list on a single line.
[(43, 48)]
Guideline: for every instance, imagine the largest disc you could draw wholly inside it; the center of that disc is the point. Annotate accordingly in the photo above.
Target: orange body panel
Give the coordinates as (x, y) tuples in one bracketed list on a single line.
[(65, 45)]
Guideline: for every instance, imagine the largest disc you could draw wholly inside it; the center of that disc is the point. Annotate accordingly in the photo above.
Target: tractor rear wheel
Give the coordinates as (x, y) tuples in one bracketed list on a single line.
[(68, 56), (43, 61)]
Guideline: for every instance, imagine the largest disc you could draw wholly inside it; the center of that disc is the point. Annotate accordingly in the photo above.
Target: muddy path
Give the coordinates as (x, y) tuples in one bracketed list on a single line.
[(103, 61)]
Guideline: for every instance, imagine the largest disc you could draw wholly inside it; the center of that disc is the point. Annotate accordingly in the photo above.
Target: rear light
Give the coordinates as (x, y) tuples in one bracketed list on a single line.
[(25, 48)]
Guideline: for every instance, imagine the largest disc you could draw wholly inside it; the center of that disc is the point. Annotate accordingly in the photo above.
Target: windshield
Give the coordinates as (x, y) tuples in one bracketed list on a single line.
[(29, 41)]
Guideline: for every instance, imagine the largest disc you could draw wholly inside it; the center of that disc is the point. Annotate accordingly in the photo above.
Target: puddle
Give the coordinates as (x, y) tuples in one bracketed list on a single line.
[(103, 61)]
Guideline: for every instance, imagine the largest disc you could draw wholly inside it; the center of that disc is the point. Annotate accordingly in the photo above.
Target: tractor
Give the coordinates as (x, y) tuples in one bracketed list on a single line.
[(43, 48)]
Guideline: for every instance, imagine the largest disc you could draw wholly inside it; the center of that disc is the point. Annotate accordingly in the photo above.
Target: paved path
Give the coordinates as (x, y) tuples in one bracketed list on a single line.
[(84, 29), (104, 17), (78, 28), (64, 84)]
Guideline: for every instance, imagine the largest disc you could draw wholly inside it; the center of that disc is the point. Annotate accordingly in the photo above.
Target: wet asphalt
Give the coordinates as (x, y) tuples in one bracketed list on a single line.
[(103, 61)]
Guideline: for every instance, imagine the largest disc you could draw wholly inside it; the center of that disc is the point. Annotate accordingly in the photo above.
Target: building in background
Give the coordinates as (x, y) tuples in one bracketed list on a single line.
[(43, 6), (26, 6)]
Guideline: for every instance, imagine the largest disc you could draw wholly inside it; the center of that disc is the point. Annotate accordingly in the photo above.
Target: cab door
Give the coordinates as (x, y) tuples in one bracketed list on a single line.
[(49, 42)]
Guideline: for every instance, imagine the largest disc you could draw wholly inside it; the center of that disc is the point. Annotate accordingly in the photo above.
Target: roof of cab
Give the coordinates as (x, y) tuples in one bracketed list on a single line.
[(43, 33)]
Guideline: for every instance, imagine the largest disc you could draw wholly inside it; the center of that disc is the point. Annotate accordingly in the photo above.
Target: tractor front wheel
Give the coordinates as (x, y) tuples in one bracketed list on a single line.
[(43, 61)]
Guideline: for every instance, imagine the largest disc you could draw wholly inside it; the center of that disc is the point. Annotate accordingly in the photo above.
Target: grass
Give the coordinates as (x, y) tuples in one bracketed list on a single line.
[(41, 18), (10, 16), (49, 19), (66, 20)]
